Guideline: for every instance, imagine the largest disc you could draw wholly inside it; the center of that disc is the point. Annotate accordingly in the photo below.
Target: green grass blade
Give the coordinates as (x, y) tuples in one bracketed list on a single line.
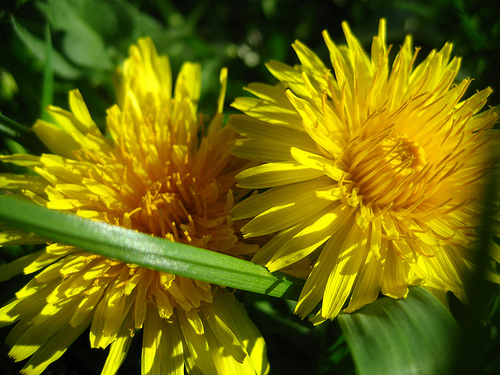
[(48, 77), (10, 127), (415, 335), (139, 248)]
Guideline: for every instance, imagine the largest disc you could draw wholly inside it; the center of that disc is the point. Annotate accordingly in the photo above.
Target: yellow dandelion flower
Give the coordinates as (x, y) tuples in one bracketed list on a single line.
[(374, 172), (152, 174)]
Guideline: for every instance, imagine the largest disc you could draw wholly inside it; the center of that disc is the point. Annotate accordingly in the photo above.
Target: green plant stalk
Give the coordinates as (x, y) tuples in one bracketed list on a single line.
[(48, 78)]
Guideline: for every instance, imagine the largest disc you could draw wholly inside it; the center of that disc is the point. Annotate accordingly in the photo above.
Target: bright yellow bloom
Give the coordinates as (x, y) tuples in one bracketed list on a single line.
[(152, 174), (375, 172)]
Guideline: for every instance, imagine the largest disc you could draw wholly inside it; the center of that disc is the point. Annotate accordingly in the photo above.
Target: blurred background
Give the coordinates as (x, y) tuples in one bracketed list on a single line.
[(91, 37)]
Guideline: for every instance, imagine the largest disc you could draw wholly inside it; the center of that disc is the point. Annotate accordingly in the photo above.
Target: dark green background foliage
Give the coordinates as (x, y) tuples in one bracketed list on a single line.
[(91, 37)]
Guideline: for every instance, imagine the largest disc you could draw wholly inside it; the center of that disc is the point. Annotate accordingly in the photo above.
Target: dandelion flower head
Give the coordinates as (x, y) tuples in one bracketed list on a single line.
[(374, 171), (152, 174)]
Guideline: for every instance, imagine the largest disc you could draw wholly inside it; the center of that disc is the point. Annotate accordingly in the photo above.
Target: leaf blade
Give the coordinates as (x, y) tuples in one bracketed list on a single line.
[(145, 250), (415, 335)]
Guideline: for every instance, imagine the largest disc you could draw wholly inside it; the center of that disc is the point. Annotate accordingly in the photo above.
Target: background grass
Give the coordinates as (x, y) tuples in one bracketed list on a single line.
[(90, 37)]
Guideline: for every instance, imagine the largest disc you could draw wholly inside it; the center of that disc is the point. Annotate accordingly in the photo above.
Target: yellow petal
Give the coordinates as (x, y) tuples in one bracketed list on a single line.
[(197, 346), (118, 351), (173, 349), (24, 160), (306, 207), (188, 83), (222, 92), (84, 121), (313, 290), (318, 162), (310, 238), (352, 254), (233, 314), (19, 182), (17, 266), (275, 174), (367, 287), (56, 139), (395, 280), (53, 349), (279, 196), (226, 337), (151, 340), (290, 75), (14, 238), (268, 112)]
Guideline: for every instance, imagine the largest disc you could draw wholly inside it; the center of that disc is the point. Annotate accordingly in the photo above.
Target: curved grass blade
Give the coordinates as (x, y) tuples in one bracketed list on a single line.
[(415, 335), (48, 77), (139, 248), (10, 127)]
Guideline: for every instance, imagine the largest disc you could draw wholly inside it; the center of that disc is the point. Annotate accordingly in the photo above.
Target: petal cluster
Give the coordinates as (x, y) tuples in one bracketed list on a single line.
[(374, 171), (153, 173)]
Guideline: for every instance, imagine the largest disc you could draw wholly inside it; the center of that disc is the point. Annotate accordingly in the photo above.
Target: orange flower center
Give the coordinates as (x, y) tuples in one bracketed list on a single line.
[(403, 154), (386, 170)]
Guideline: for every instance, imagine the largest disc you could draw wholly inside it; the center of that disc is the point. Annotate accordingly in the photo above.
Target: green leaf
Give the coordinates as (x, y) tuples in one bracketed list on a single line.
[(38, 48), (81, 43), (10, 127), (87, 50), (139, 248), (107, 18), (415, 335)]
